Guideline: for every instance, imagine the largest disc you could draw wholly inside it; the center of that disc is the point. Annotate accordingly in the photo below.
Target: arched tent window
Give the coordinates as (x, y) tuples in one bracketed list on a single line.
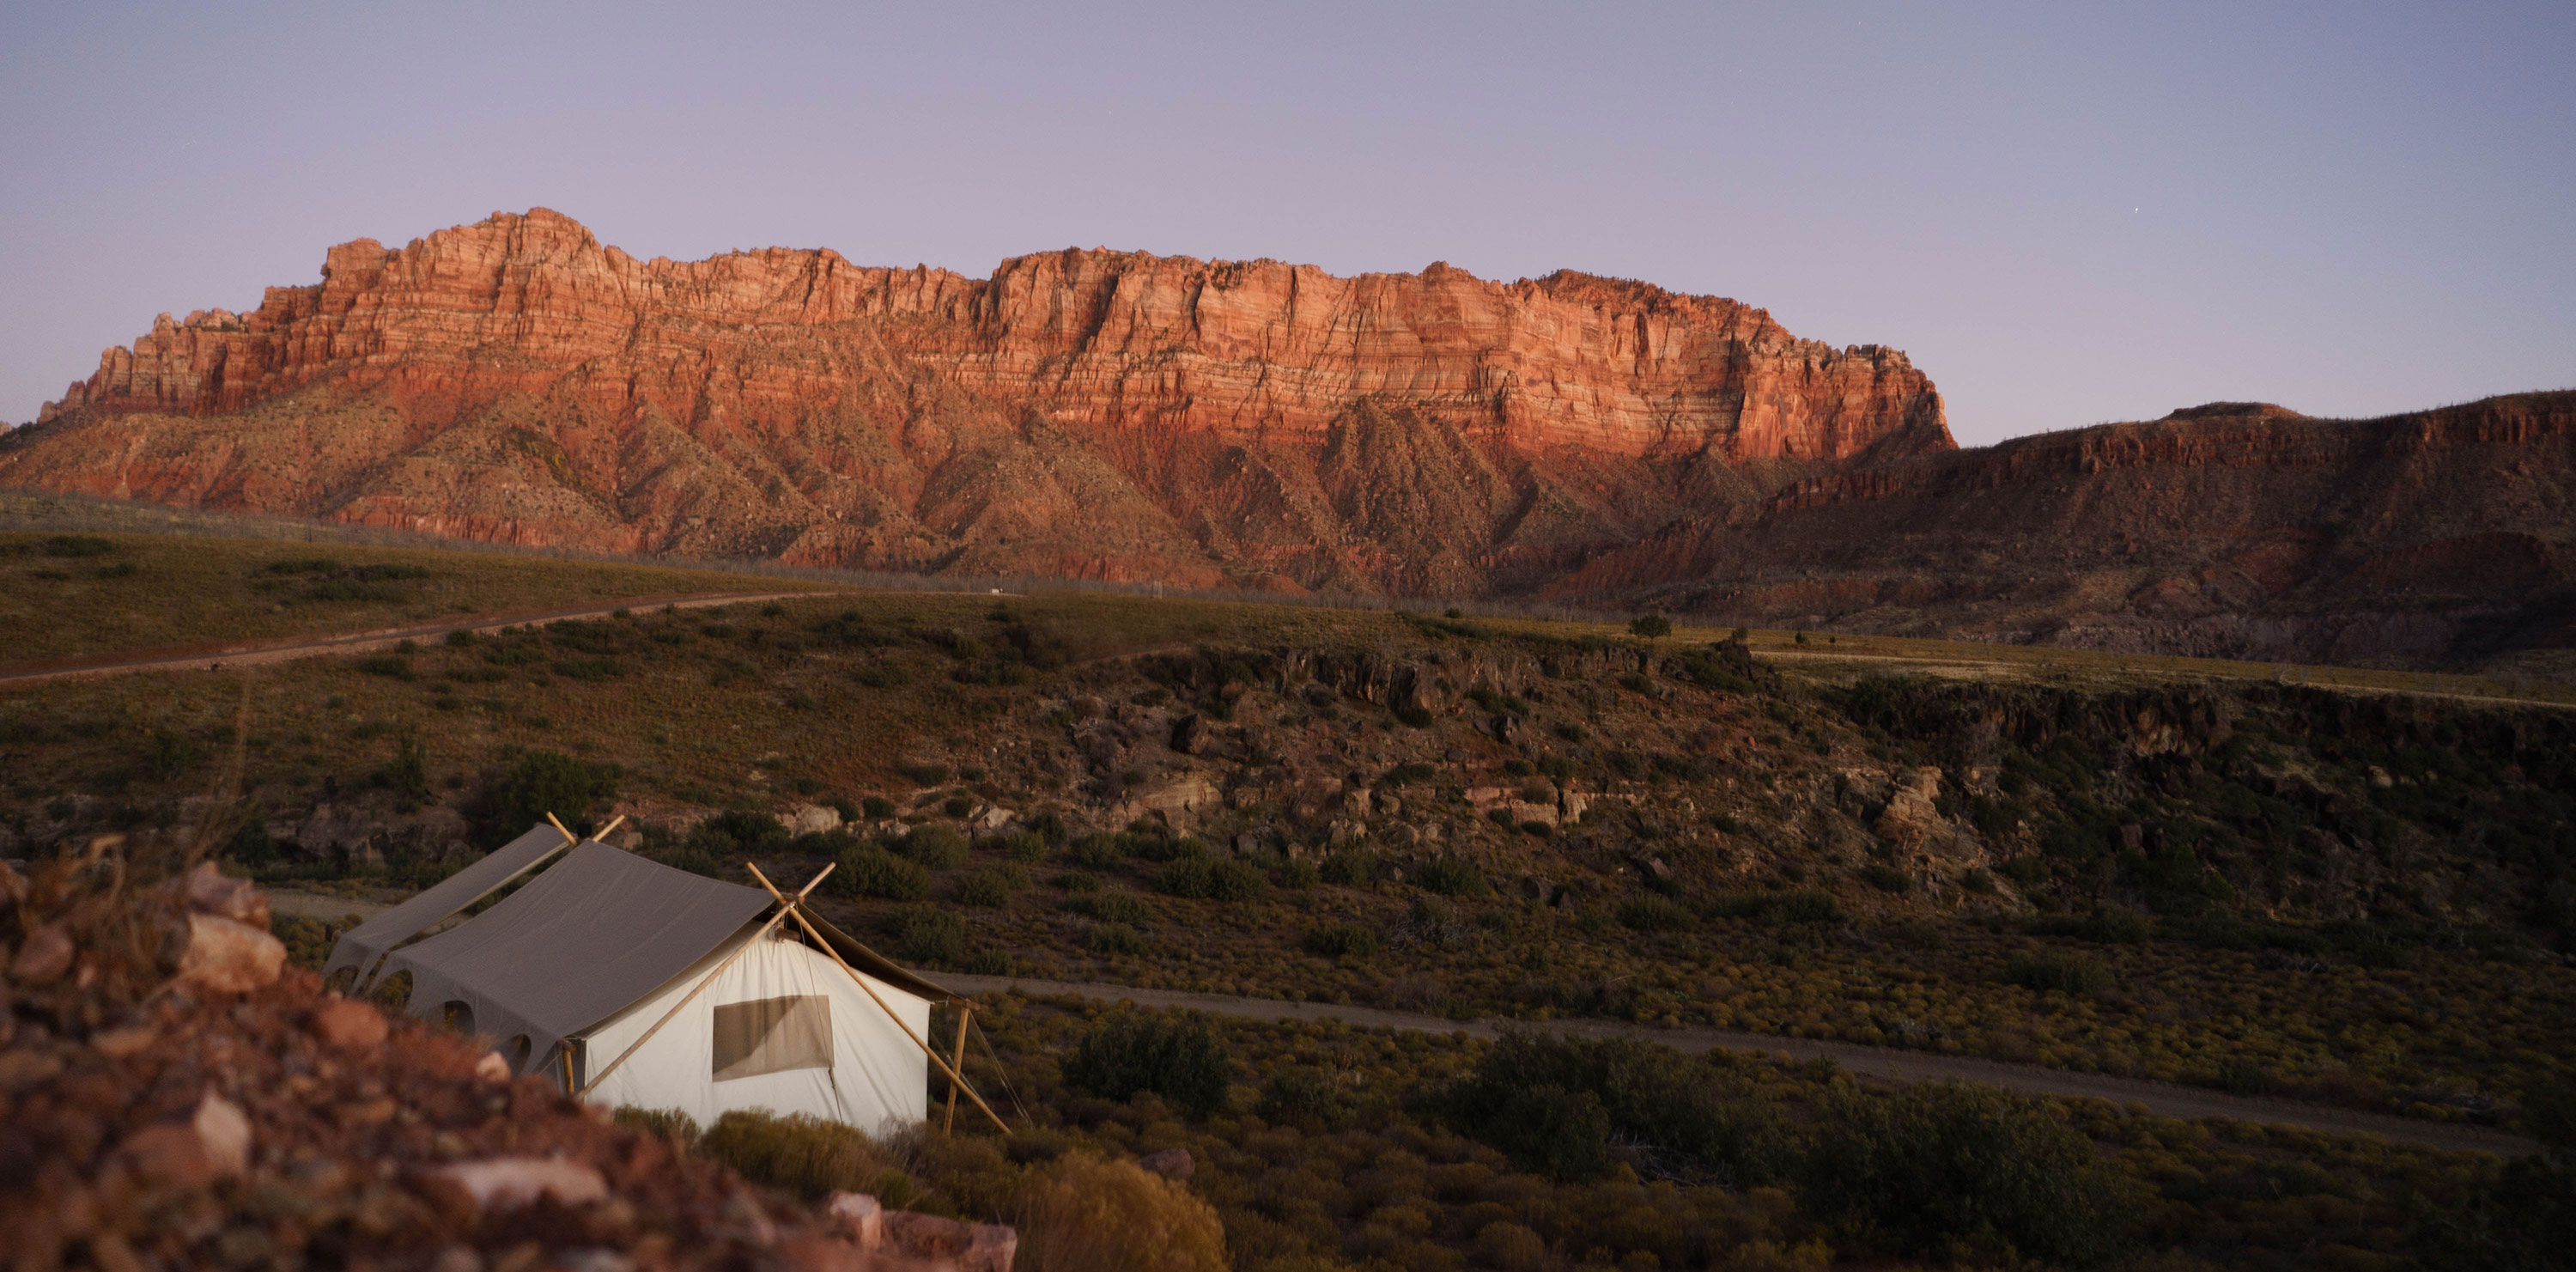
[(340, 981), (459, 1016), (516, 1052)]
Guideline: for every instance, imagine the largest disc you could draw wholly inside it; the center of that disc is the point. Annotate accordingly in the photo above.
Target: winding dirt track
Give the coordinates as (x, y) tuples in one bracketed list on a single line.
[(215, 657), (1885, 1064), (1881, 1063)]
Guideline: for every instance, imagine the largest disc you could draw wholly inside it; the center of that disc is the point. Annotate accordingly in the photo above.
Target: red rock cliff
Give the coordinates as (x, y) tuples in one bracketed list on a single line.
[(1094, 414), (1256, 348)]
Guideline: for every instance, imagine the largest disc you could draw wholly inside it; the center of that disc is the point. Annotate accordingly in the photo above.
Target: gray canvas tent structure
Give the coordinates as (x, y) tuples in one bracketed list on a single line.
[(634, 983)]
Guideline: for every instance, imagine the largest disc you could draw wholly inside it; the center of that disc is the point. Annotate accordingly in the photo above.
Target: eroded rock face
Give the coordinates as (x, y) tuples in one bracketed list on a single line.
[(1088, 414), (2432, 538)]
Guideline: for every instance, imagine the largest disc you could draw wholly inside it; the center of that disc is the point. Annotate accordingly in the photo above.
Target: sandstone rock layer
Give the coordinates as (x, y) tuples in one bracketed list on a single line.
[(1251, 424), (1080, 413)]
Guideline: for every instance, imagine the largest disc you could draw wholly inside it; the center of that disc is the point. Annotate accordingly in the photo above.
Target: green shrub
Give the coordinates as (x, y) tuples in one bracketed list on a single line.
[(1938, 1170), (876, 807), (736, 832), (1349, 867), (2068, 973), (664, 1124), (1082, 1214), (1115, 938), (1650, 626), (1810, 907), (1114, 907), (1097, 852), (1413, 717), (922, 775), (1336, 940), (1200, 877), (1554, 1104), (541, 782), (1300, 1094), (393, 666), (874, 872), (1886, 878), (77, 545), (1175, 1056), (926, 935), (1408, 773), (1451, 877), (935, 846), (987, 887), (1019, 845), (800, 1154), (1655, 914), (590, 668), (172, 754)]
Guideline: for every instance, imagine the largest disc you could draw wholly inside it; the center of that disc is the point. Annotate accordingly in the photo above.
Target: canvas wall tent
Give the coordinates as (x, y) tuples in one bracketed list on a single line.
[(639, 984)]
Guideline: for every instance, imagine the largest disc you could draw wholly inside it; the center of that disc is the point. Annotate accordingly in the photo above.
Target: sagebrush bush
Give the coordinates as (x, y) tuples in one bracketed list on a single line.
[(923, 934), (1082, 1214), (1115, 938), (1206, 879), (874, 872), (935, 846), (1655, 914), (1554, 1104), (801, 1154), (1335, 940), (1175, 1056), (1114, 907), (541, 782), (2067, 973), (669, 1124), (1019, 845), (987, 887), (1943, 1168), (1451, 877)]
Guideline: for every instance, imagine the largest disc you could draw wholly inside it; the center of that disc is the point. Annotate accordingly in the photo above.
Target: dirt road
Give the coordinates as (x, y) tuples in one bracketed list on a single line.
[(1882, 1063), (214, 657)]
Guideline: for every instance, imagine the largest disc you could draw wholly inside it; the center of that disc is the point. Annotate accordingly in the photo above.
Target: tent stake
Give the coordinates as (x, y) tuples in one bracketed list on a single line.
[(965, 1012), (701, 986), (870, 991)]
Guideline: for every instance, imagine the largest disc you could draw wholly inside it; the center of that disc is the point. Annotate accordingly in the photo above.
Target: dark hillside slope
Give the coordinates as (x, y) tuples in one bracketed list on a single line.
[(2434, 538)]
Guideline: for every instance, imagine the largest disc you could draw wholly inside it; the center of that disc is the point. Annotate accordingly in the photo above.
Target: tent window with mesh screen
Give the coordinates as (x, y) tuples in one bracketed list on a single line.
[(772, 1035)]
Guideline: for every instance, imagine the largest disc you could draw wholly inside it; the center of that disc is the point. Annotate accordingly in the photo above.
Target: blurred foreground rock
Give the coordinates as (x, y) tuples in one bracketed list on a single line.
[(173, 1096)]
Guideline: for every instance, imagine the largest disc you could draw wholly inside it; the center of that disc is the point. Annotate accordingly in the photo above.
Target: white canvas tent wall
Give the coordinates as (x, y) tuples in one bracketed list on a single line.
[(571, 970), (872, 1076)]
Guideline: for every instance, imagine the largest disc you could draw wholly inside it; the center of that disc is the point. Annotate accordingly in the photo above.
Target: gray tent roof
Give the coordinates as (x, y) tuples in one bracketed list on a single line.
[(362, 945), (580, 943)]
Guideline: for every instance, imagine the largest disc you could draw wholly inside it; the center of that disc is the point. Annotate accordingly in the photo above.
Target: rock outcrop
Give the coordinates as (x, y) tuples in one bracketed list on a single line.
[(1080, 413), (2433, 538)]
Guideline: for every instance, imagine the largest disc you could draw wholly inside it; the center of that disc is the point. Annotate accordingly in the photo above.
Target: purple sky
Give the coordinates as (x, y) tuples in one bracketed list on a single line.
[(2066, 214)]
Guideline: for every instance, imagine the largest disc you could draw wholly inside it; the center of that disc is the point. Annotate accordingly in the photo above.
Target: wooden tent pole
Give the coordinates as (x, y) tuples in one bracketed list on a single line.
[(965, 1012), (569, 838), (870, 991), (739, 951)]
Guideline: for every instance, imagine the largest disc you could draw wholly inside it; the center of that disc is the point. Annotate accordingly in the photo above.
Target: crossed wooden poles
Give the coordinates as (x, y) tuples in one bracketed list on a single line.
[(794, 907)]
